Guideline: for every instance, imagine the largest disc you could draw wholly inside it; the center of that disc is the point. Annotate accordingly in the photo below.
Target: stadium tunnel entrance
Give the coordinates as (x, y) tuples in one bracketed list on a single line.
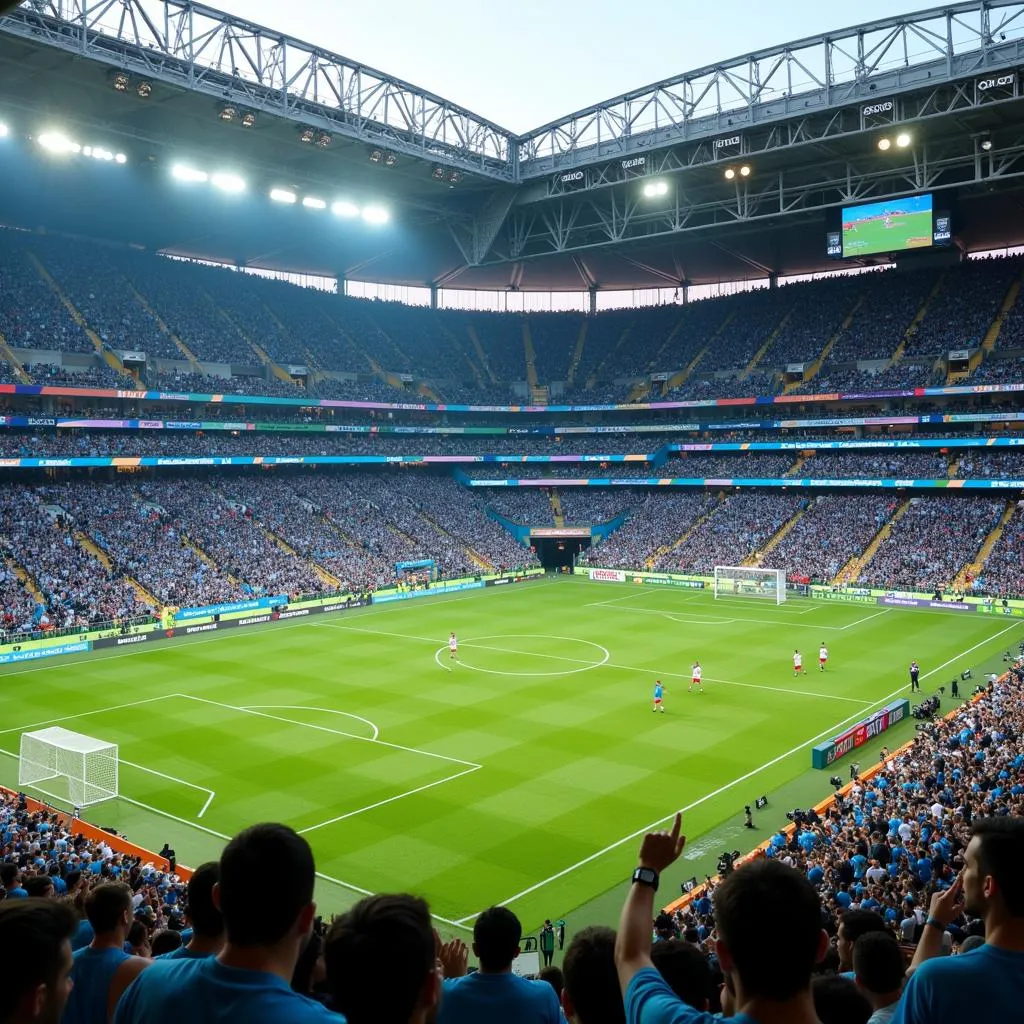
[(559, 552)]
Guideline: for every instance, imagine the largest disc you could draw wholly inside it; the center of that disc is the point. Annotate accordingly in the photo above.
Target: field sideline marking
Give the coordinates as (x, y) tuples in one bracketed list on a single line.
[(717, 620), (174, 778), (324, 728), (729, 785), (84, 714)]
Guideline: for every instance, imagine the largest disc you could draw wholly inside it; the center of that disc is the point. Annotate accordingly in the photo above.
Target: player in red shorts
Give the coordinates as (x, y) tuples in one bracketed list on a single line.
[(798, 664), (822, 657)]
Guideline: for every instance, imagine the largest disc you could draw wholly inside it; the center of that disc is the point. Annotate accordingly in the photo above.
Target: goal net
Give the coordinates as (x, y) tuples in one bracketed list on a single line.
[(68, 766), (741, 581)]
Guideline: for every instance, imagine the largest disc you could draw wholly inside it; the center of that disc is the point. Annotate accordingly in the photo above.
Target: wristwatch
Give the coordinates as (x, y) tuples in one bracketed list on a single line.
[(646, 876)]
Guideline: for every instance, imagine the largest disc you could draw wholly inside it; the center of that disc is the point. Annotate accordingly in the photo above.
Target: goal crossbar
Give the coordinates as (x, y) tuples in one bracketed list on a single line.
[(750, 581), (88, 765)]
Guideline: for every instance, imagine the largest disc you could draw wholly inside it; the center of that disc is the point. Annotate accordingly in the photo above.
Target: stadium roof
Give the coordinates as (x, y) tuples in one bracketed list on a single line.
[(560, 208)]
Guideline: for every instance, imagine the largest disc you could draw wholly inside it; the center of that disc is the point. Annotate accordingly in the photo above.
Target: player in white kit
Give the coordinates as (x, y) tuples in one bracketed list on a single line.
[(798, 664), (453, 647), (822, 658), (695, 678)]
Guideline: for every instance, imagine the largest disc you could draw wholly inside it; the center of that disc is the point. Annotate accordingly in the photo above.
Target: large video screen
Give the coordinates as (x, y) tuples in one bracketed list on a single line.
[(889, 226)]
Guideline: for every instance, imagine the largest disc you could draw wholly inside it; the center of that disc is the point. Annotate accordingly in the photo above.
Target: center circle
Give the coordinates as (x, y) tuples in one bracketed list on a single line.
[(480, 642)]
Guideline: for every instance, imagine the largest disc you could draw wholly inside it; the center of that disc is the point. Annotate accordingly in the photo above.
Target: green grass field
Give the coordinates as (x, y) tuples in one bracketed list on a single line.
[(520, 774), (907, 231)]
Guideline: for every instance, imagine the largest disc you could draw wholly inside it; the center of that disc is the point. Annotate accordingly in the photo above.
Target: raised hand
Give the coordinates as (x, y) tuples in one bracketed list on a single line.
[(660, 849)]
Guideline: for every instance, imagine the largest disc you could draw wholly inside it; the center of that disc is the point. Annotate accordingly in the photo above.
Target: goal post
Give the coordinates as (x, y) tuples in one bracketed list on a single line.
[(746, 581), (69, 766)]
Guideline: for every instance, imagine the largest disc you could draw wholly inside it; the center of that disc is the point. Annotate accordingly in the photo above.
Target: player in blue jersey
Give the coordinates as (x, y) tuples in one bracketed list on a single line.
[(659, 693)]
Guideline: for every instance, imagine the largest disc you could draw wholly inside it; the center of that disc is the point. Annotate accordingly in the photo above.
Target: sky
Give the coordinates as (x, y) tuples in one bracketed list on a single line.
[(524, 64)]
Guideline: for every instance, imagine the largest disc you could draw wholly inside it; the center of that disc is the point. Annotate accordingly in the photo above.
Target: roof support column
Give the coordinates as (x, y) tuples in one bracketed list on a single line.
[(592, 307)]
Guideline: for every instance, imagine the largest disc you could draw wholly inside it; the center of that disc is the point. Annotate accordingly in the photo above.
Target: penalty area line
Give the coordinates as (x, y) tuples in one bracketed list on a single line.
[(830, 731)]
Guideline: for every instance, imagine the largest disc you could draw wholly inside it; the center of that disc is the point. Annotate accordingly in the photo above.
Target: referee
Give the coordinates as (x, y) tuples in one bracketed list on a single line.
[(915, 672)]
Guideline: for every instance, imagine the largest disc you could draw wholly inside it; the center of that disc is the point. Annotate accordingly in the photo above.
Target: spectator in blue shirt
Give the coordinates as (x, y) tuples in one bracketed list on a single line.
[(10, 879), (494, 994), (951, 990), (591, 989), (202, 914), (770, 938), (382, 962), (35, 950), (852, 925), (265, 894)]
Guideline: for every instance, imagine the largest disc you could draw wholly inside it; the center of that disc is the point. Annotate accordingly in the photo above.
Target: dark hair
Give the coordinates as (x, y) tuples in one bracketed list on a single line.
[(554, 977), (685, 969), (203, 915), (32, 937), (496, 936), (378, 956), (38, 885), (167, 940), (855, 923), (302, 976), (1000, 854), (591, 980), (105, 906), (8, 873), (878, 963), (245, 868), (837, 1000), (769, 917)]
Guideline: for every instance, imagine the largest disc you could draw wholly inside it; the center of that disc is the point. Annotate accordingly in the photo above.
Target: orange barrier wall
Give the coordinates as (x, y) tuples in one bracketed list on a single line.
[(118, 843), (684, 901)]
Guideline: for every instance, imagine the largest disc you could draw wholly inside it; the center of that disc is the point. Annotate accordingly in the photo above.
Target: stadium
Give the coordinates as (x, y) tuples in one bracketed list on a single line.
[(470, 502)]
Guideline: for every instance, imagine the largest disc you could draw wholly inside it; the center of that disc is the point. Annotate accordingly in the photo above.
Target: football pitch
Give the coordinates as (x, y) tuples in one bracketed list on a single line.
[(523, 772), (907, 231)]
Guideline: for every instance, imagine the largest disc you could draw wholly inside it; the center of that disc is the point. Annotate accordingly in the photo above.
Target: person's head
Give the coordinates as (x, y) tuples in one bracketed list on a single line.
[(35, 951), (784, 902), (554, 977), (202, 912), (108, 908), (9, 875), (685, 969), (993, 885), (382, 962), (837, 1000), (257, 913), (165, 941), (879, 967), (496, 936), (591, 994), (852, 925), (39, 886), (137, 939)]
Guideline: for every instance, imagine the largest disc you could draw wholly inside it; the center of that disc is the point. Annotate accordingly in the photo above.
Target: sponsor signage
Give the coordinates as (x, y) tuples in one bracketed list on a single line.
[(632, 166), (608, 575), (230, 607), (206, 627), (727, 145), (133, 357), (560, 531), (659, 376), (571, 180), (856, 736), (878, 112), (959, 354), (15, 655), (893, 601), (795, 367), (994, 87), (297, 371)]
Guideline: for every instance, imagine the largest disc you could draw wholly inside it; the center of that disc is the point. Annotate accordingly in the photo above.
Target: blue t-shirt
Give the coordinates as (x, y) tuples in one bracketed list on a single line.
[(83, 935), (498, 999), (658, 692), (183, 953), (949, 989), (204, 991), (649, 1000), (92, 972)]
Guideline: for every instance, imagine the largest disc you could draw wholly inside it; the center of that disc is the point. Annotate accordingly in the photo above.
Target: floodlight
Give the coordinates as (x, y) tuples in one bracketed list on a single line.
[(282, 195), (227, 112), (375, 215), (437, 173), (730, 173), (306, 135), (3, 130), (314, 203), (120, 81), (454, 177), (653, 189), (376, 155), (144, 89), (55, 142), (120, 158), (903, 140), (190, 174), (98, 153), (343, 208), (228, 182), (986, 143), (249, 119), (390, 160), (745, 171), (323, 140), (884, 144)]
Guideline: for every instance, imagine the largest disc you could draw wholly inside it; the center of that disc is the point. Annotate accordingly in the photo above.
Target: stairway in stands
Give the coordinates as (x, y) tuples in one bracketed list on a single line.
[(577, 352), (530, 356), (321, 573), (556, 507), (6, 352), (756, 557), (815, 368), (680, 378), (667, 549), (480, 353), (111, 358), (158, 320), (22, 574), (90, 545), (992, 334), (474, 556), (918, 317), (259, 350), (206, 558), (853, 568), (763, 350), (977, 565)]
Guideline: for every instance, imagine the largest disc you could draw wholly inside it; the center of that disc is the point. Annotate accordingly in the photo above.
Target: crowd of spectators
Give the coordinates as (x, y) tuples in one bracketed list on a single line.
[(215, 384), (527, 506), (833, 529), (586, 506), (898, 377), (754, 385), (98, 374), (931, 542), (1003, 572)]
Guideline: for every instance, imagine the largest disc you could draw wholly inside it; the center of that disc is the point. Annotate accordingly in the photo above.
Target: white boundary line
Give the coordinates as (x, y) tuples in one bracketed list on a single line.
[(307, 707), (716, 620), (85, 714), (729, 785), (173, 778)]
